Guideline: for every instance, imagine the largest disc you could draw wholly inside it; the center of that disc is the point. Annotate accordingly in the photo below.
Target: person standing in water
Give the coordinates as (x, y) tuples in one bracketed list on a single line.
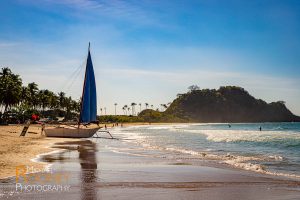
[(260, 128)]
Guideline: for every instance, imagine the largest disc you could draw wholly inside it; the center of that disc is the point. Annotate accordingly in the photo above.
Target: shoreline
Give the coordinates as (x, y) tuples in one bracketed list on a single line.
[(46, 146), (106, 174), (114, 168)]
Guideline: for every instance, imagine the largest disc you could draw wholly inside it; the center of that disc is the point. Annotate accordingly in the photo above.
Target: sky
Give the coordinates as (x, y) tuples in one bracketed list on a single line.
[(148, 51)]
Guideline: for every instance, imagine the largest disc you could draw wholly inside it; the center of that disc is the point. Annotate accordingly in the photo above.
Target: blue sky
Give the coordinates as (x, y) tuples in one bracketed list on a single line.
[(148, 51)]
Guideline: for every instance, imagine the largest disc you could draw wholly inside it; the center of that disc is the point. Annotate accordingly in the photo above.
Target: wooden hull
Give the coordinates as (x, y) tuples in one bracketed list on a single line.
[(70, 132)]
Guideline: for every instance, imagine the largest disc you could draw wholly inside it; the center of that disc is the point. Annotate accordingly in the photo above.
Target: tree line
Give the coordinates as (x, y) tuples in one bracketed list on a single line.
[(18, 101)]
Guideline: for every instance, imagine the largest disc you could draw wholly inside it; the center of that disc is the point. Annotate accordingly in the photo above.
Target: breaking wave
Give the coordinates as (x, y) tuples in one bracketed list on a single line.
[(273, 151)]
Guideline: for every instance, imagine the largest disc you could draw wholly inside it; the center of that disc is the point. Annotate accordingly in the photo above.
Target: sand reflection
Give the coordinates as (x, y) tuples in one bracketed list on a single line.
[(87, 158), (88, 175)]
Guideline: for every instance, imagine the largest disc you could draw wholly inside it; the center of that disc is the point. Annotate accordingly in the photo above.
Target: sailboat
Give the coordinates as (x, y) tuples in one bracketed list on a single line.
[(88, 109)]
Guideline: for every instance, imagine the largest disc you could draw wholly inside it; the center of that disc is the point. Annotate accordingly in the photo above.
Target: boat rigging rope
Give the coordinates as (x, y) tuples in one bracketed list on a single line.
[(70, 81)]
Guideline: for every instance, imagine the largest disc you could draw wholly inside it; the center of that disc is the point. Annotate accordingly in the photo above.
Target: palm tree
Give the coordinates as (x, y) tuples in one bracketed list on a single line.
[(24, 95), (5, 71), (53, 100), (133, 106), (43, 99), (140, 107), (75, 106), (104, 110), (123, 108), (115, 108), (62, 99), (10, 88), (33, 90), (12, 93), (68, 104), (100, 111), (128, 109), (146, 104)]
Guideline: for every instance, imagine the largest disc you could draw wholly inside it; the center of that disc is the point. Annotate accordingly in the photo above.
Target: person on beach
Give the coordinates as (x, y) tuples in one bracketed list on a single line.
[(34, 117), (260, 128), (43, 128)]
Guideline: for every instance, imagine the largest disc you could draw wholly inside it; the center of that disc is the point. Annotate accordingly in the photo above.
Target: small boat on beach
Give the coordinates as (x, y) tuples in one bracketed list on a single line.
[(88, 109)]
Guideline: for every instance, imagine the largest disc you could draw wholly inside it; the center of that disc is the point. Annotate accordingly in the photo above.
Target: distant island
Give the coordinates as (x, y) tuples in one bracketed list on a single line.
[(229, 104)]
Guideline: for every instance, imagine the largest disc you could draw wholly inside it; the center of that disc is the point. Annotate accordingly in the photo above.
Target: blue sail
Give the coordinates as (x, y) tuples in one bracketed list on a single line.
[(89, 95)]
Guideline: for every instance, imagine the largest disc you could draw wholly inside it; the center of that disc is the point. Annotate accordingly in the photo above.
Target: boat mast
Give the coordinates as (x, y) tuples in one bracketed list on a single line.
[(81, 103)]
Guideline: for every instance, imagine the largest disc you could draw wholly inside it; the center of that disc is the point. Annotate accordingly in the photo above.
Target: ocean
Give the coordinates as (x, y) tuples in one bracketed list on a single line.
[(274, 150)]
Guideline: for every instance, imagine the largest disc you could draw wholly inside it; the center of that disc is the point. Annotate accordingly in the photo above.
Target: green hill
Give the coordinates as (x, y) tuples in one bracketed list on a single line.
[(227, 104)]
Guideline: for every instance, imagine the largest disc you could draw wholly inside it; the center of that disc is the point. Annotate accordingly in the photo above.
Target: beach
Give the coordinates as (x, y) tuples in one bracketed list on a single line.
[(101, 168), (16, 150)]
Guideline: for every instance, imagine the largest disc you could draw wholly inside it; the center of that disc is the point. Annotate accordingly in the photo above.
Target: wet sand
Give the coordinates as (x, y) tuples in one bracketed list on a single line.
[(98, 171)]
